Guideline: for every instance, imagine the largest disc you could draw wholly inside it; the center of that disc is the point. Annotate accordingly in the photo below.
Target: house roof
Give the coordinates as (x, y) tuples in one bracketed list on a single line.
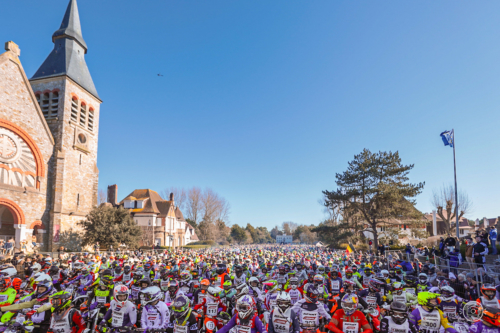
[(151, 198), (164, 207), (179, 215)]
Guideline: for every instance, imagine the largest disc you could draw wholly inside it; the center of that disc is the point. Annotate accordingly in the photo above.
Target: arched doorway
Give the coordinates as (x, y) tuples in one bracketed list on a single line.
[(7, 221)]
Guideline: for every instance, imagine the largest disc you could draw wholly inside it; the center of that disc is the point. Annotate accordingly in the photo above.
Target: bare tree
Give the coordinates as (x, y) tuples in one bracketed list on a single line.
[(289, 227), (194, 204), (444, 202), (180, 195), (101, 196), (147, 236)]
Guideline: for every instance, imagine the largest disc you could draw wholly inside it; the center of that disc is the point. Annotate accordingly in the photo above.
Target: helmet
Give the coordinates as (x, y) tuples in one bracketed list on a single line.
[(151, 294), (425, 298), (271, 285), (492, 316), (488, 291), (244, 306), (173, 287), (77, 266), (375, 285), (311, 294), (423, 278), (16, 283), (5, 282), (227, 285), (349, 303), (36, 267), (241, 290), (447, 293), (52, 271), (348, 273), (180, 306), (410, 281), (318, 279), (294, 283), (146, 281), (126, 269), (60, 301), (283, 300), (399, 313), (204, 284), (253, 280), (185, 277), (121, 294), (106, 277), (397, 287), (385, 273), (10, 271), (138, 274), (43, 280)]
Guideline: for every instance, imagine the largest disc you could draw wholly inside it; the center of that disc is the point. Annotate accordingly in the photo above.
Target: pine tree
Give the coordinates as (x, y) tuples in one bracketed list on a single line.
[(375, 189), (110, 226)]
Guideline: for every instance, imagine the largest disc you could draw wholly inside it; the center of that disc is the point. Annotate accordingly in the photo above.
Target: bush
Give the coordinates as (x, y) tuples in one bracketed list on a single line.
[(205, 242), (224, 243), (198, 246)]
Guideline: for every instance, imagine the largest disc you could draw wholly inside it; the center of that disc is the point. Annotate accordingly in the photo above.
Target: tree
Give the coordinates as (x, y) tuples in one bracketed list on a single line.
[(375, 188), (193, 205), (101, 196), (252, 232), (238, 234), (332, 234), (289, 227), (180, 195), (275, 232), (444, 202), (308, 236), (110, 226), (192, 223), (263, 235)]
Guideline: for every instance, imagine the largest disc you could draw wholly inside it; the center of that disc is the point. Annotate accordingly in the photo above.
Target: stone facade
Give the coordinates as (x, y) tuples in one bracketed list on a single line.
[(48, 140)]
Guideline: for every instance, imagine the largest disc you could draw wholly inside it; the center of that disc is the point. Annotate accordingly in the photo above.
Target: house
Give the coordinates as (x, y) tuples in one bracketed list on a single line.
[(438, 228), (162, 222), (284, 239)]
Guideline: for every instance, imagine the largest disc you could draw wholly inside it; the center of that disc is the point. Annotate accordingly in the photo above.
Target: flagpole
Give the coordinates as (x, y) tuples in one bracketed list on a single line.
[(456, 193)]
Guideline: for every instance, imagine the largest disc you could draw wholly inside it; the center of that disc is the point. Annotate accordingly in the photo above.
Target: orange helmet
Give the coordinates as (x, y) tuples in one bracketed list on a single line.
[(5, 282), (16, 283), (204, 284), (491, 316), (488, 291)]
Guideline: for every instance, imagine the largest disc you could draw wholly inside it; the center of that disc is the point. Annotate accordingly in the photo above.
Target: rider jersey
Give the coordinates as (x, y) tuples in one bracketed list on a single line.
[(349, 324), (387, 325), (121, 316), (480, 327), (155, 316), (286, 322), (7, 296), (450, 308), (494, 303), (309, 313), (336, 285), (295, 295), (239, 280), (430, 322), (68, 321)]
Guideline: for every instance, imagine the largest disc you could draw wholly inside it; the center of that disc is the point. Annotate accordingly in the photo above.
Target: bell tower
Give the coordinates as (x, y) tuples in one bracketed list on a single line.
[(70, 104)]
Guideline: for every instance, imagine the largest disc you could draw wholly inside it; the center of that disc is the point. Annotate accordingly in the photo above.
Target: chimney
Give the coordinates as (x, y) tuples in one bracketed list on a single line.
[(171, 197), (434, 225), (113, 195)]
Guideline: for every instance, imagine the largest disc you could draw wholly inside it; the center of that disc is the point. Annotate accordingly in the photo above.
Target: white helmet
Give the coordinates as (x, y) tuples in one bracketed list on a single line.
[(423, 278), (283, 300), (253, 279), (36, 267), (11, 271), (384, 272), (119, 291)]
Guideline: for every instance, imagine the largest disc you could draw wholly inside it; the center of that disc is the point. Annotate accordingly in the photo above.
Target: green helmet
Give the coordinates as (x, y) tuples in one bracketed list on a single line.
[(227, 285), (60, 300), (271, 285), (425, 297)]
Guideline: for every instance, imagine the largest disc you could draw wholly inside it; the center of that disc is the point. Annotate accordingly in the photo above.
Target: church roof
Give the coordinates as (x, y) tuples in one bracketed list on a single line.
[(68, 55)]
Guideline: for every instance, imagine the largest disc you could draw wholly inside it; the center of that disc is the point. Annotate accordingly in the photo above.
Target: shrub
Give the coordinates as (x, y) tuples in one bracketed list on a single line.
[(205, 242)]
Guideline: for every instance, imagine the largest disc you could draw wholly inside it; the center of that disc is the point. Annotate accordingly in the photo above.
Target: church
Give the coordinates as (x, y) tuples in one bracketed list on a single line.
[(49, 127)]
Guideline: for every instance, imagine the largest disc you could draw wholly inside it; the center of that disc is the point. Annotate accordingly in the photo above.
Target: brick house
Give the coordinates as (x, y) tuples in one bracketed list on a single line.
[(48, 139)]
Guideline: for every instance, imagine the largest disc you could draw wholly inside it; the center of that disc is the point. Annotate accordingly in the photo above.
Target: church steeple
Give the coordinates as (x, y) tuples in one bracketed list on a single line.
[(70, 26), (68, 56)]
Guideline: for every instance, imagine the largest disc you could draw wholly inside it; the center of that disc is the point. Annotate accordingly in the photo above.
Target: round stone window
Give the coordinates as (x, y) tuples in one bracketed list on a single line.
[(81, 138)]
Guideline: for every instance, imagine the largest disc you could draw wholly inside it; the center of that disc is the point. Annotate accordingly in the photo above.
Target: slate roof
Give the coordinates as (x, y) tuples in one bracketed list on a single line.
[(68, 55), (151, 199)]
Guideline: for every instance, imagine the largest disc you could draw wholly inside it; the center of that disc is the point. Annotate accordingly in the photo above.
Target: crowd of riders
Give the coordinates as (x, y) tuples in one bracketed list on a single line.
[(275, 289)]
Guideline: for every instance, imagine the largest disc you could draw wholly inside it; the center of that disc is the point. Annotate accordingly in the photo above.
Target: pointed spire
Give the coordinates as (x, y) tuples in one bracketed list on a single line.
[(67, 57), (70, 26)]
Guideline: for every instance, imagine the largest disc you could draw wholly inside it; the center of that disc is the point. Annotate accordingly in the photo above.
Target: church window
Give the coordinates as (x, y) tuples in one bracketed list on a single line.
[(91, 120), (54, 104), (45, 106), (83, 115), (74, 110), (78, 200)]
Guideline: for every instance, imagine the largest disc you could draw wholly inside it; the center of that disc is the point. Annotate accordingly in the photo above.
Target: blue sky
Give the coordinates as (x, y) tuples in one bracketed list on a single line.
[(264, 101)]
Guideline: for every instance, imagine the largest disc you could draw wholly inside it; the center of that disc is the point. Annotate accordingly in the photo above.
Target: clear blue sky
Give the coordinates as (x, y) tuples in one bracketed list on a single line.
[(264, 101)]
